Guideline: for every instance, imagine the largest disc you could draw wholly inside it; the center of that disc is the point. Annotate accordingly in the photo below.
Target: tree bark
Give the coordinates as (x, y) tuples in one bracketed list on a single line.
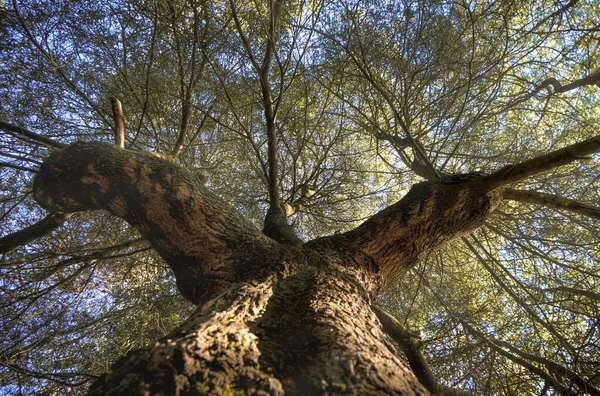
[(273, 318), (207, 244), (307, 330)]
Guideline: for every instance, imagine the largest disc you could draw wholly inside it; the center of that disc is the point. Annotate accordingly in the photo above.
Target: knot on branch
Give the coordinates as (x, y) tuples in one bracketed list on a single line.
[(277, 228)]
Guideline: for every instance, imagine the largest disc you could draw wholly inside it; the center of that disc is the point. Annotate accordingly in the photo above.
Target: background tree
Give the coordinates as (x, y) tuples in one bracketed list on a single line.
[(324, 112)]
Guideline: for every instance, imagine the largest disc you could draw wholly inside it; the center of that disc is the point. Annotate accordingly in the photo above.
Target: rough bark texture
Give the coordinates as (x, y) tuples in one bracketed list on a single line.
[(273, 318), (308, 330), (430, 215), (206, 242)]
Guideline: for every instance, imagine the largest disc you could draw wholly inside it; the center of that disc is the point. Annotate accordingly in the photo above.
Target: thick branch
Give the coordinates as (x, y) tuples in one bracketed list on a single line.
[(553, 201), (411, 346), (430, 215), (514, 173), (593, 79), (26, 135), (119, 127), (269, 107), (277, 228), (34, 231), (275, 223), (202, 238)]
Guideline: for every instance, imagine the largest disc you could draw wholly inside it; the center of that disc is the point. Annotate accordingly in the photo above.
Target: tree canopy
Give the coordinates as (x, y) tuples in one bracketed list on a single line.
[(323, 112)]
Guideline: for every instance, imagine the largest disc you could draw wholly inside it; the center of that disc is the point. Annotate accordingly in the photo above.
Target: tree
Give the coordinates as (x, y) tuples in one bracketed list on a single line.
[(325, 106)]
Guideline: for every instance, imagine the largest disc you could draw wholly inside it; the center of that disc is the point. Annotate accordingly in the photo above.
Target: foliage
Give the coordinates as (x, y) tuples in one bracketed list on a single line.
[(371, 96)]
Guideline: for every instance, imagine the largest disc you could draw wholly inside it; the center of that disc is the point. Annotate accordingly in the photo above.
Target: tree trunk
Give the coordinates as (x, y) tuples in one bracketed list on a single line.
[(308, 329), (272, 318)]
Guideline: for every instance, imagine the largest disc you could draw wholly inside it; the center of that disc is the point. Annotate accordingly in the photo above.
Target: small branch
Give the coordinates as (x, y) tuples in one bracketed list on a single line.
[(585, 293), (555, 13), (552, 367), (35, 231), (50, 376), (245, 41), (366, 72), (514, 173), (183, 130), (389, 97), (557, 369), (18, 167), (519, 360), (550, 380), (411, 346), (119, 126), (26, 135), (179, 145), (517, 298), (553, 202)]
